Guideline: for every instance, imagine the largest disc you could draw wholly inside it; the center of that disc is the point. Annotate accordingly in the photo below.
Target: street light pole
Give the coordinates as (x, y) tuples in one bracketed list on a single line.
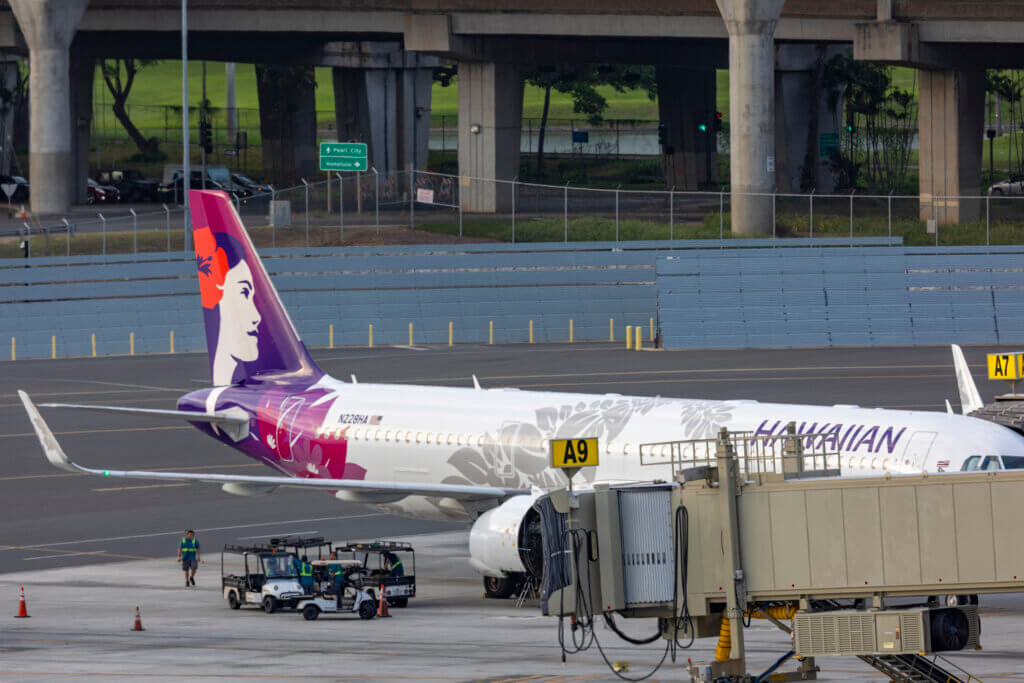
[(186, 169)]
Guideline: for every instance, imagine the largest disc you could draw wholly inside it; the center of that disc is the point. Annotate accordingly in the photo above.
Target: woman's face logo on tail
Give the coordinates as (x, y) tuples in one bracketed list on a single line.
[(239, 319)]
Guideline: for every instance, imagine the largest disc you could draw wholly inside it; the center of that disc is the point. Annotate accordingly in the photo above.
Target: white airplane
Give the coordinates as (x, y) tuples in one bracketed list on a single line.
[(478, 455)]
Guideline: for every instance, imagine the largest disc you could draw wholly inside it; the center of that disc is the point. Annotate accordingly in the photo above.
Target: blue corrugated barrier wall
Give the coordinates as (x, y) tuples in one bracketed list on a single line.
[(153, 295), (757, 298)]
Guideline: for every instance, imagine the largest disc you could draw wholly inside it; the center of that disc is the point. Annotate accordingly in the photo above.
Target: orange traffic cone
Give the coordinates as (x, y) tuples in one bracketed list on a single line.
[(138, 621), (22, 214), (382, 604), (22, 607)]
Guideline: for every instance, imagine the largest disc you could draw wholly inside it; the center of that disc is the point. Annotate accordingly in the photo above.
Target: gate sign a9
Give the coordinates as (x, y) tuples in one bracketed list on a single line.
[(574, 453)]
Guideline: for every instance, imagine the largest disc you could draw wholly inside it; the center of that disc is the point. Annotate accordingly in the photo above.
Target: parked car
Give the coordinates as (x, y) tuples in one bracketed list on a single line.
[(101, 194), (20, 193), (173, 191), (247, 182), (1012, 185), (131, 184)]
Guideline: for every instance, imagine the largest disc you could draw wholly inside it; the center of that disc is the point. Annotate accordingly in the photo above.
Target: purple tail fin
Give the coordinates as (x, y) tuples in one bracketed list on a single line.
[(248, 331)]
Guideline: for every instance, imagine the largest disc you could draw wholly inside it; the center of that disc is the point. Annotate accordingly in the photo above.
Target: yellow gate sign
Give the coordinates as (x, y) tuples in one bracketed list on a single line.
[(1005, 365), (567, 453)]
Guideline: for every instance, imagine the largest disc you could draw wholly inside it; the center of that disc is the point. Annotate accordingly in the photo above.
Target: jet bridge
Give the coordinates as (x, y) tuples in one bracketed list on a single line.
[(763, 527)]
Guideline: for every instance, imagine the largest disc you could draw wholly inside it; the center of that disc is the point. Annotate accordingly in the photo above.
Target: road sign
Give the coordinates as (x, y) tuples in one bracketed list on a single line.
[(343, 156), (1005, 365), (828, 143), (9, 189), (581, 137)]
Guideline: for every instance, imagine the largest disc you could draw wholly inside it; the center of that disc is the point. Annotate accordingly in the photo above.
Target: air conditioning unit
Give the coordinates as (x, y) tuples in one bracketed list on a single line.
[(886, 632)]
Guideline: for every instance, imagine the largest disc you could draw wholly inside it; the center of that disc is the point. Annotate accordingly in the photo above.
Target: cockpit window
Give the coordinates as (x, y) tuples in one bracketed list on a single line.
[(991, 463), (971, 464), (1013, 462)]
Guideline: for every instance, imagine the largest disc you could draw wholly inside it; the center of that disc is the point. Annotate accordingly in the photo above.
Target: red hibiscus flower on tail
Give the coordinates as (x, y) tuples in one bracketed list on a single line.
[(212, 264)]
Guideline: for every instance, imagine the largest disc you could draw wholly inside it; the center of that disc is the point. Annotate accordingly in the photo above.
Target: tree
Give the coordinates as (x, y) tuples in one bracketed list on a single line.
[(1008, 86), (580, 82), (120, 90)]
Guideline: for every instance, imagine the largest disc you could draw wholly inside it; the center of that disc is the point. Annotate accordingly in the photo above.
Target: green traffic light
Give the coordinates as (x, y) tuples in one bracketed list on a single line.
[(703, 127)]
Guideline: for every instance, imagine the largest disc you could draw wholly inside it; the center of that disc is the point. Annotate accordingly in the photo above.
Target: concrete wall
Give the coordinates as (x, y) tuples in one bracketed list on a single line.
[(842, 297)]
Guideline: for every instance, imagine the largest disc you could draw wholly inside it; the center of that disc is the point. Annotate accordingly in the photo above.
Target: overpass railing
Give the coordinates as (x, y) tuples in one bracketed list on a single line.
[(411, 207)]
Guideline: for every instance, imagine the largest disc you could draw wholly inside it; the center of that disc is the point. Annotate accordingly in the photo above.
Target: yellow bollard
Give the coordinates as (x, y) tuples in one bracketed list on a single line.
[(611, 329), (410, 334), (651, 338), (639, 338), (629, 337), (570, 330), (13, 355), (531, 331), (330, 336), (451, 333), (131, 343), (94, 344), (490, 331), (53, 346), (172, 341), (371, 337)]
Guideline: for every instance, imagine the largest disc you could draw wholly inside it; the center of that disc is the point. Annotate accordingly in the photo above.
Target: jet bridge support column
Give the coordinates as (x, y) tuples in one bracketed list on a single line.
[(735, 598)]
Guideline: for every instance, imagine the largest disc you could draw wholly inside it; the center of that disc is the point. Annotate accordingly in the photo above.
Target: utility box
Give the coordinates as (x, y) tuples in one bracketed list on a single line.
[(280, 213), (889, 632)]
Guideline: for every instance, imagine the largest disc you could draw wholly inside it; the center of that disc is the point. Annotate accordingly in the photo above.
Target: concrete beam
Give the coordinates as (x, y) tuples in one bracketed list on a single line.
[(490, 129), (951, 118), (751, 25), (49, 27)]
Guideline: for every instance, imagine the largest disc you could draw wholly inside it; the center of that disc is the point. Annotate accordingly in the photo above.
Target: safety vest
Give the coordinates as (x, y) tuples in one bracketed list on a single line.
[(396, 565), (188, 547), (306, 569)]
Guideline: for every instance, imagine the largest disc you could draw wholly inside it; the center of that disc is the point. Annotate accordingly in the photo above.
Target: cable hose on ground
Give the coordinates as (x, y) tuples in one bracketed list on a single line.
[(774, 666), (635, 641)]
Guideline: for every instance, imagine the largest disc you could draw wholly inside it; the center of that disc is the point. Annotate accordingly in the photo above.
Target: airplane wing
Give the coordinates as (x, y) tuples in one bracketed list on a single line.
[(55, 454), (190, 416), (970, 399)]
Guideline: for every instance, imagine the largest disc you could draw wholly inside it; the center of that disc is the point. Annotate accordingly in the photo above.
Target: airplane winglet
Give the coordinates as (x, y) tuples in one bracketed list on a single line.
[(54, 453), (970, 399), (476, 383)]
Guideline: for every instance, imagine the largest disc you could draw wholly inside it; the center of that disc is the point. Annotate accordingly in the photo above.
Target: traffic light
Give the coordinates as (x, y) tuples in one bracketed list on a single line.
[(702, 127), (718, 121), (661, 134), (205, 137)]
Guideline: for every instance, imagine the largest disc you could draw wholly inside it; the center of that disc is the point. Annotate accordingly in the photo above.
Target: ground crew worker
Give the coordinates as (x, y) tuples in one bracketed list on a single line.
[(337, 574), (394, 564), (188, 555), (306, 575)]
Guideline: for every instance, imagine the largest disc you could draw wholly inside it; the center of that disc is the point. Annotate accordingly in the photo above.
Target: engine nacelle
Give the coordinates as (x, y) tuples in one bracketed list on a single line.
[(238, 489), (506, 539)]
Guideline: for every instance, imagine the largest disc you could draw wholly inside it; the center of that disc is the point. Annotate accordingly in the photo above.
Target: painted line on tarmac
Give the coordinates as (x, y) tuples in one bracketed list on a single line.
[(100, 431), (101, 393), (61, 553), (230, 676), (705, 380), (57, 475), (280, 533), (177, 532), (78, 553)]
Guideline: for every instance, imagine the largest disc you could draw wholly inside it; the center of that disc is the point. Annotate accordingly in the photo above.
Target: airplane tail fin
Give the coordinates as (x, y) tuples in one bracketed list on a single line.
[(970, 399), (248, 331)]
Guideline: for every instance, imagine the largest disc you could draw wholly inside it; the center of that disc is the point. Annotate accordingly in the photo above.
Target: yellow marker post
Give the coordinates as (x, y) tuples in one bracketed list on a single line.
[(629, 337), (410, 334), (53, 346), (570, 331), (451, 333), (611, 329), (531, 332), (131, 343), (490, 331), (14, 356), (651, 338), (330, 328), (172, 341), (639, 338), (371, 337), (93, 336)]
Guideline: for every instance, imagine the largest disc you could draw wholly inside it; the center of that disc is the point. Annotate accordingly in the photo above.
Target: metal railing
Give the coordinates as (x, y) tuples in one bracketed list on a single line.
[(417, 206)]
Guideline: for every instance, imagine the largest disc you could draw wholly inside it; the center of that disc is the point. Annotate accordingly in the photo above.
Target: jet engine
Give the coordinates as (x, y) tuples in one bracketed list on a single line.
[(507, 540)]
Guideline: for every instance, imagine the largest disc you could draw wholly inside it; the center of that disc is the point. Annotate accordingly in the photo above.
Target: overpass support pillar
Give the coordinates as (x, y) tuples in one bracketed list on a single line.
[(82, 70), (751, 27), (490, 128), (951, 123), (804, 124), (49, 27), (686, 102)]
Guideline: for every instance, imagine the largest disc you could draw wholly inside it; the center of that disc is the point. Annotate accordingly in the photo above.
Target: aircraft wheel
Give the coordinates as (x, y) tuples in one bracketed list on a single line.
[(500, 588)]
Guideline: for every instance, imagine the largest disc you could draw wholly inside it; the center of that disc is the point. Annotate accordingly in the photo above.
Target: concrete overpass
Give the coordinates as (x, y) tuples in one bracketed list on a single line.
[(768, 45)]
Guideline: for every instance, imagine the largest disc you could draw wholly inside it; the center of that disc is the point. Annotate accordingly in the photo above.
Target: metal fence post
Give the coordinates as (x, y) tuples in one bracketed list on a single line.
[(773, 213), (811, 223), (935, 217), (376, 193), (515, 186), (104, 233), (306, 185), (721, 213), (890, 213), (167, 215), (341, 205), (28, 240), (412, 200), (851, 215), (273, 226), (67, 228), (565, 210), (988, 200), (671, 210), (135, 230), (617, 211)]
